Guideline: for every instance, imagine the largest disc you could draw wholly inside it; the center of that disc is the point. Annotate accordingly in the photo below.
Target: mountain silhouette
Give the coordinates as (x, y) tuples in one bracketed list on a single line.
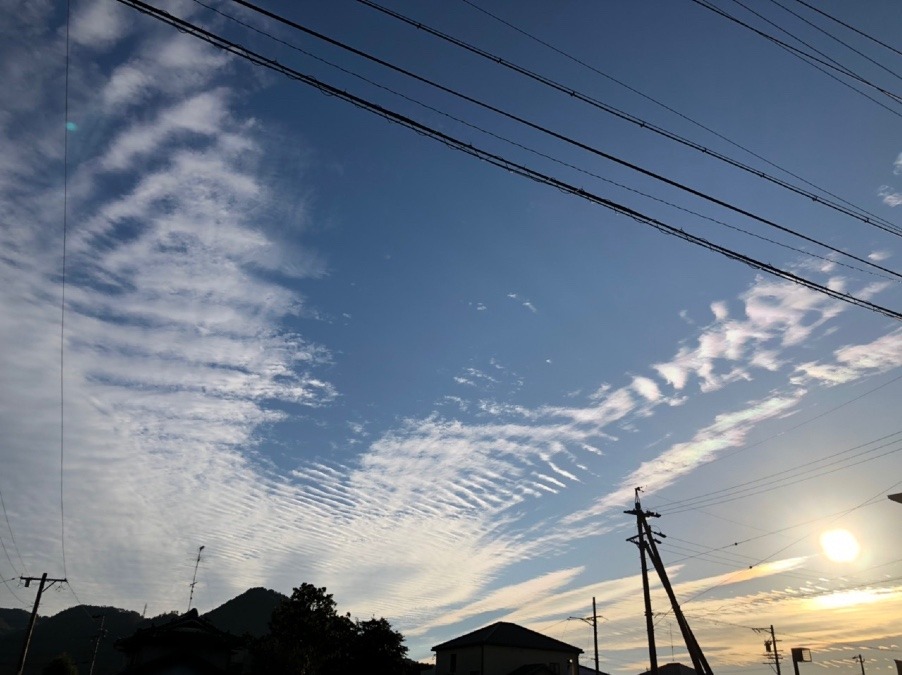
[(73, 630)]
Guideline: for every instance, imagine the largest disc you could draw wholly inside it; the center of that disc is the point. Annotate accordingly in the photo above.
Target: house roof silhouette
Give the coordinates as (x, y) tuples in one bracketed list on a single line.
[(673, 669), (504, 634)]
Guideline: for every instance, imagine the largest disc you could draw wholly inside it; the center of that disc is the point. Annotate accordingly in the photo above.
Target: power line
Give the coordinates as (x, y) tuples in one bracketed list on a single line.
[(521, 145), (766, 533), (803, 423), (808, 58), (12, 538), (808, 421), (497, 160), (850, 27), (573, 93), (836, 39), (12, 592), (794, 542), (63, 291), (687, 118), (554, 134), (8, 558), (839, 66), (750, 488)]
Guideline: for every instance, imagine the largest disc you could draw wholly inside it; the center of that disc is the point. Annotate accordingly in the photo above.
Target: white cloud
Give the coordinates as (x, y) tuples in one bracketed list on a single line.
[(855, 361), (897, 165), (777, 315), (728, 430), (99, 25), (879, 256), (525, 303), (202, 114), (890, 198), (720, 311), (175, 348), (177, 360), (648, 388)]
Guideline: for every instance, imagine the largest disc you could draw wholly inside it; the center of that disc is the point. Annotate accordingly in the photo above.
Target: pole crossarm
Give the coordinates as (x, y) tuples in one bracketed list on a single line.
[(45, 583), (645, 540)]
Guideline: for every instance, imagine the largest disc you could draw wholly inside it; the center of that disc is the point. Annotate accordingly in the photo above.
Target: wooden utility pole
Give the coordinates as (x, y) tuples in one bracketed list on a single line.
[(639, 540), (647, 543), (45, 583), (773, 639), (860, 660), (770, 646)]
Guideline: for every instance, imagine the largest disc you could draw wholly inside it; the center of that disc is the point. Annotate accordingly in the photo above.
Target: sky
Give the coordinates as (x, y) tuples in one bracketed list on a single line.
[(242, 313)]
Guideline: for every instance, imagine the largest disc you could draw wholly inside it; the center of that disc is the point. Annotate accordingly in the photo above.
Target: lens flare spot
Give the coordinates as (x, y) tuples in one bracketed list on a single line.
[(71, 126), (840, 545)]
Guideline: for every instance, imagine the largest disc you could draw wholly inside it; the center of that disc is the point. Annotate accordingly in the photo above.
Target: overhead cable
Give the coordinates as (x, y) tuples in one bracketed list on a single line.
[(812, 60), (63, 290), (807, 421), (538, 153), (573, 93), (839, 66), (497, 160), (687, 118), (793, 543), (12, 592), (836, 39), (12, 538), (789, 477), (850, 27), (583, 146)]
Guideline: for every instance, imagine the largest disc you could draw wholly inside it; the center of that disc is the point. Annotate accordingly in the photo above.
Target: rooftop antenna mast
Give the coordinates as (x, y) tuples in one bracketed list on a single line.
[(194, 579)]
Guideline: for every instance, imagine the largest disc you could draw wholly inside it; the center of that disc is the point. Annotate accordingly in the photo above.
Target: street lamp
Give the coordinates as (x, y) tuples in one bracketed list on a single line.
[(800, 655)]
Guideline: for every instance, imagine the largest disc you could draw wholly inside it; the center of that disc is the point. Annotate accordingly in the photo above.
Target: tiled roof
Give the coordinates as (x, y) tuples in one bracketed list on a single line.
[(503, 634)]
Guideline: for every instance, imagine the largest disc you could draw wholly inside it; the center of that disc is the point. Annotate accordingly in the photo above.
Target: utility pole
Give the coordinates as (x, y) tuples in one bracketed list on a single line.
[(639, 540), (97, 640), (194, 580), (773, 638), (595, 635), (648, 545), (771, 645), (45, 582), (594, 621), (860, 660)]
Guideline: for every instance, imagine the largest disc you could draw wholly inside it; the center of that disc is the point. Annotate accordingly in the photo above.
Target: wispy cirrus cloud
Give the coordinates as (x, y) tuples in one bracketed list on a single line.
[(175, 345), (179, 360), (854, 361)]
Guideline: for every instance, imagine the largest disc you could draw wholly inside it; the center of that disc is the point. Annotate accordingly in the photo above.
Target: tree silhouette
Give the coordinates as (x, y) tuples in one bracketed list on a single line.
[(61, 665), (307, 636)]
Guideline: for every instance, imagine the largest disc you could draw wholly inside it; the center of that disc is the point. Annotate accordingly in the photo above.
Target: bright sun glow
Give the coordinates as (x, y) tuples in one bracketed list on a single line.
[(846, 599), (840, 545)]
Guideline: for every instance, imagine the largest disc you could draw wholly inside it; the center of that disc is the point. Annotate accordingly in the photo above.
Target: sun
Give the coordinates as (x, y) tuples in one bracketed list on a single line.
[(840, 545)]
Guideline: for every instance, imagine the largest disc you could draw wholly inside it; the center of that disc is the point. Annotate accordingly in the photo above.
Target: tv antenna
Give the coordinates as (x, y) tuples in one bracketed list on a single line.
[(194, 579)]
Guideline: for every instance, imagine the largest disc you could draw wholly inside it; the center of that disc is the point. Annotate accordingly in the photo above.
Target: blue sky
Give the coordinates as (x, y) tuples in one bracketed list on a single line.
[(332, 350)]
